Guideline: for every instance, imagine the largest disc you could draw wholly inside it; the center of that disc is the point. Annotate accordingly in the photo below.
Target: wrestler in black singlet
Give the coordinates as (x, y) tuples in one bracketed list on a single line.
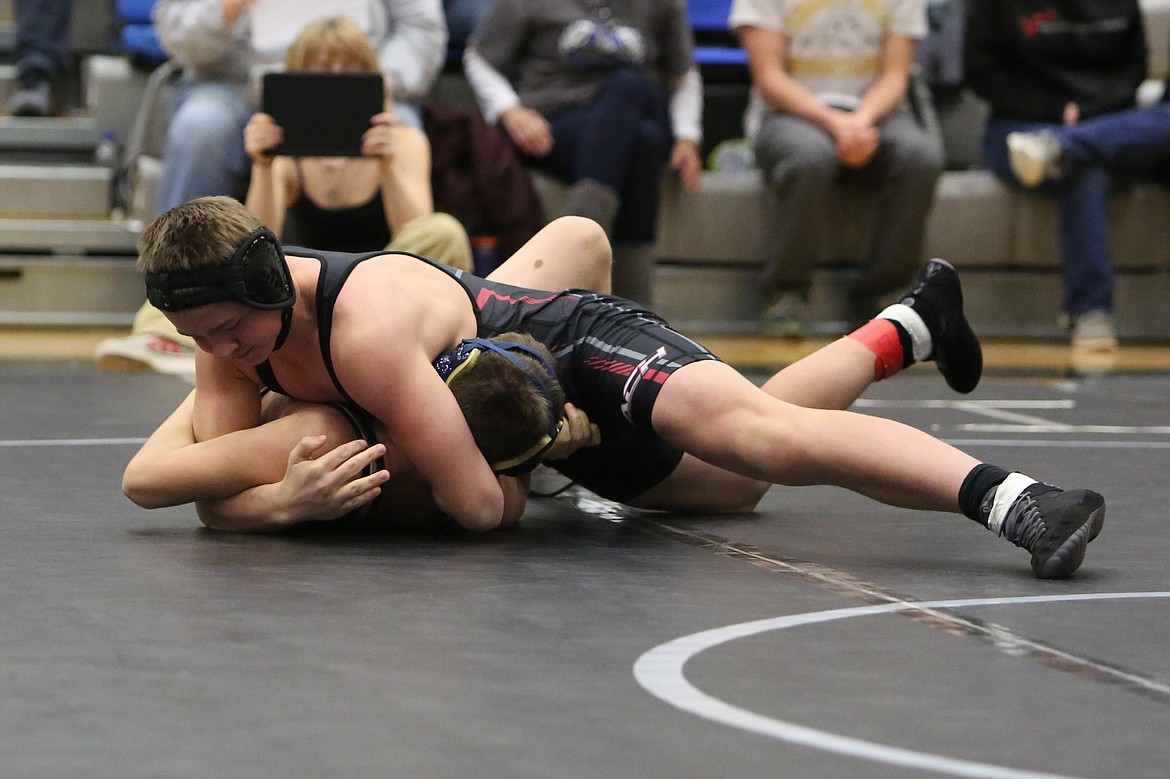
[(612, 359)]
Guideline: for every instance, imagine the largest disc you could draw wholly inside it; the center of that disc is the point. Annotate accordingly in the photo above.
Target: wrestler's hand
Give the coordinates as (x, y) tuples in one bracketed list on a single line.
[(330, 485), (576, 432)]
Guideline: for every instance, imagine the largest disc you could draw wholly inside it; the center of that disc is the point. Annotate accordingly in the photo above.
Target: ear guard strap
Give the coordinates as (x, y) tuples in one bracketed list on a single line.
[(255, 275), (464, 356)]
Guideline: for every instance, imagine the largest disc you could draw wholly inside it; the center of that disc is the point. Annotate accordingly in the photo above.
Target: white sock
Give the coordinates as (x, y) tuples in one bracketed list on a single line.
[(1005, 495), (909, 319)]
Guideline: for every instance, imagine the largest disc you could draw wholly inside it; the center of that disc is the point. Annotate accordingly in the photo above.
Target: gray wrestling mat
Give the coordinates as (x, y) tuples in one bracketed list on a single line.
[(824, 637)]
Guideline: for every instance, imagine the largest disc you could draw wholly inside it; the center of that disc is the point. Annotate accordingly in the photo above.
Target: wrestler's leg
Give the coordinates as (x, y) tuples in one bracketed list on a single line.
[(750, 432), (834, 377), (569, 252)]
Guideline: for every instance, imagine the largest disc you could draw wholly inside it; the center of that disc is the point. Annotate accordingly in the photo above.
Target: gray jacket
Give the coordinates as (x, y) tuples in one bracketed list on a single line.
[(410, 37)]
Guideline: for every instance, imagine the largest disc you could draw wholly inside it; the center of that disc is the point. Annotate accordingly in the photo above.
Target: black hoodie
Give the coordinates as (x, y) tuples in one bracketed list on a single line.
[(1028, 58)]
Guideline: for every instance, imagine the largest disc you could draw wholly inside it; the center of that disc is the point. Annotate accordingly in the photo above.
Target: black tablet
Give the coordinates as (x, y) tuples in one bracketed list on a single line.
[(322, 114)]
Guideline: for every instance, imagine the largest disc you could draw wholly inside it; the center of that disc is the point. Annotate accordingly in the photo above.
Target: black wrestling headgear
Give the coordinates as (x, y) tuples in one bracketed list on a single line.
[(256, 275), (463, 356)]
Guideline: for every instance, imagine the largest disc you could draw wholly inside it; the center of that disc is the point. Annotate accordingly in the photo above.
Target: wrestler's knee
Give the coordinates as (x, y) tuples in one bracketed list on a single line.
[(589, 244)]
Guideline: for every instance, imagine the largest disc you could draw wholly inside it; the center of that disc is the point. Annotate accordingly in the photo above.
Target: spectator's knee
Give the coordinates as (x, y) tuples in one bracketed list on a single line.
[(922, 157), (204, 127), (439, 237), (630, 85), (810, 167)]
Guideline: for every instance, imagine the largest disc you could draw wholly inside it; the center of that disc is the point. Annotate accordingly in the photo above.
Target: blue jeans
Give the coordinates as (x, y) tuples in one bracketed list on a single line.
[(622, 140), (1128, 142), (42, 37), (462, 17), (1094, 153), (204, 152), (800, 164)]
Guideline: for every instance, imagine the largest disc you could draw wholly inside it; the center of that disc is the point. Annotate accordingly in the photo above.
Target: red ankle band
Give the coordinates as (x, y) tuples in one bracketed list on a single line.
[(881, 337)]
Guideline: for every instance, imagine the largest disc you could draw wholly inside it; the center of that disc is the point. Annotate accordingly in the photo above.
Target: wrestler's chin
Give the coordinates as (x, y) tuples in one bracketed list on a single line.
[(255, 355)]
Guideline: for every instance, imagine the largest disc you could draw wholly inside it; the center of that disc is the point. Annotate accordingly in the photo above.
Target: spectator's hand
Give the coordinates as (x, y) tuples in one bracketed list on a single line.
[(528, 130), (328, 486), (261, 135), (684, 158), (231, 9), (378, 141), (1072, 113), (855, 136), (576, 432)]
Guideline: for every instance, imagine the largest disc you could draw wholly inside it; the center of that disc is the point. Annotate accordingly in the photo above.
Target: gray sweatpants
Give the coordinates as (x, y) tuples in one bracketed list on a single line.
[(800, 164)]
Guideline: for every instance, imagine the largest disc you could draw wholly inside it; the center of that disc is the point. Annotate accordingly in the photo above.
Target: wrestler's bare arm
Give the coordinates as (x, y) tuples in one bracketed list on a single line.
[(319, 484), (402, 390), (247, 480), (227, 397)]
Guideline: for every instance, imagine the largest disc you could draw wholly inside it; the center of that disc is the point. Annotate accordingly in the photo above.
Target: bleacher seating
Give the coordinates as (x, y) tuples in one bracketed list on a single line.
[(715, 44), (138, 36), (711, 242)]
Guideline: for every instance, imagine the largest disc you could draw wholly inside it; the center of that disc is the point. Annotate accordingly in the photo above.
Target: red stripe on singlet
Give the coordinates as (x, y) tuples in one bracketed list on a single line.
[(486, 294), (624, 369)]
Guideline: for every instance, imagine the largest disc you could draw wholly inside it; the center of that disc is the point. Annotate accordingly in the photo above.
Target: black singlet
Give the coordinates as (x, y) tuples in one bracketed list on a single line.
[(612, 359)]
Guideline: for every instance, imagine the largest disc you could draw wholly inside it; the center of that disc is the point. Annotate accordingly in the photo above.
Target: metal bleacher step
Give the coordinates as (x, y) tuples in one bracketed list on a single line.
[(48, 140), (69, 290), (7, 84), (61, 190), (92, 237)]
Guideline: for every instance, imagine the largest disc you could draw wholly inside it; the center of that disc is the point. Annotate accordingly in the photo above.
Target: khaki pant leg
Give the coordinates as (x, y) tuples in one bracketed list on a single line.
[(149, 320), (439, 237)]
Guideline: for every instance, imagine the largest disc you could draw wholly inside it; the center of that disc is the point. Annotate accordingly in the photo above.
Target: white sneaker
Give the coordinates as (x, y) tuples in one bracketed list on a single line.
[(784, 316), (1093, 331), (145, 352), (1034, 157)]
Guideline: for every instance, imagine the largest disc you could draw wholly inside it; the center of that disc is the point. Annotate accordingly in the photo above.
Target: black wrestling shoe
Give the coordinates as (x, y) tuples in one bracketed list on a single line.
[(938, 298), (1055, 525)]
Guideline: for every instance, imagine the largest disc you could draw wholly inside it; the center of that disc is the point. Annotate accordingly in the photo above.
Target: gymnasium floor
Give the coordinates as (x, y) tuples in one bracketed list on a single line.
[(826, 636)]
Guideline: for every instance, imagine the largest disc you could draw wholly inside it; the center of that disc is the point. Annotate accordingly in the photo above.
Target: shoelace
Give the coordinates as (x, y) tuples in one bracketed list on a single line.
[(1029, 523)]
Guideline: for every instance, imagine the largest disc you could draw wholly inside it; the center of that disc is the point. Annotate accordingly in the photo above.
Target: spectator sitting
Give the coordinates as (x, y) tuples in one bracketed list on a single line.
[(829, 104), (1062, 84), (605, 96), (351, 204), (204, 152)]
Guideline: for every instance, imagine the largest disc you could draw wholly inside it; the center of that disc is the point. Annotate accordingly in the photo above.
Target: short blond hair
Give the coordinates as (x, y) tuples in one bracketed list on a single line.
[(201, 233), (330, 38)]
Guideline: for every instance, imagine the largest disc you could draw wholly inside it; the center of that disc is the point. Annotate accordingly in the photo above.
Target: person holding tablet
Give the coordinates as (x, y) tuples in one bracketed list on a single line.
[(206, 155), (381, 199)]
